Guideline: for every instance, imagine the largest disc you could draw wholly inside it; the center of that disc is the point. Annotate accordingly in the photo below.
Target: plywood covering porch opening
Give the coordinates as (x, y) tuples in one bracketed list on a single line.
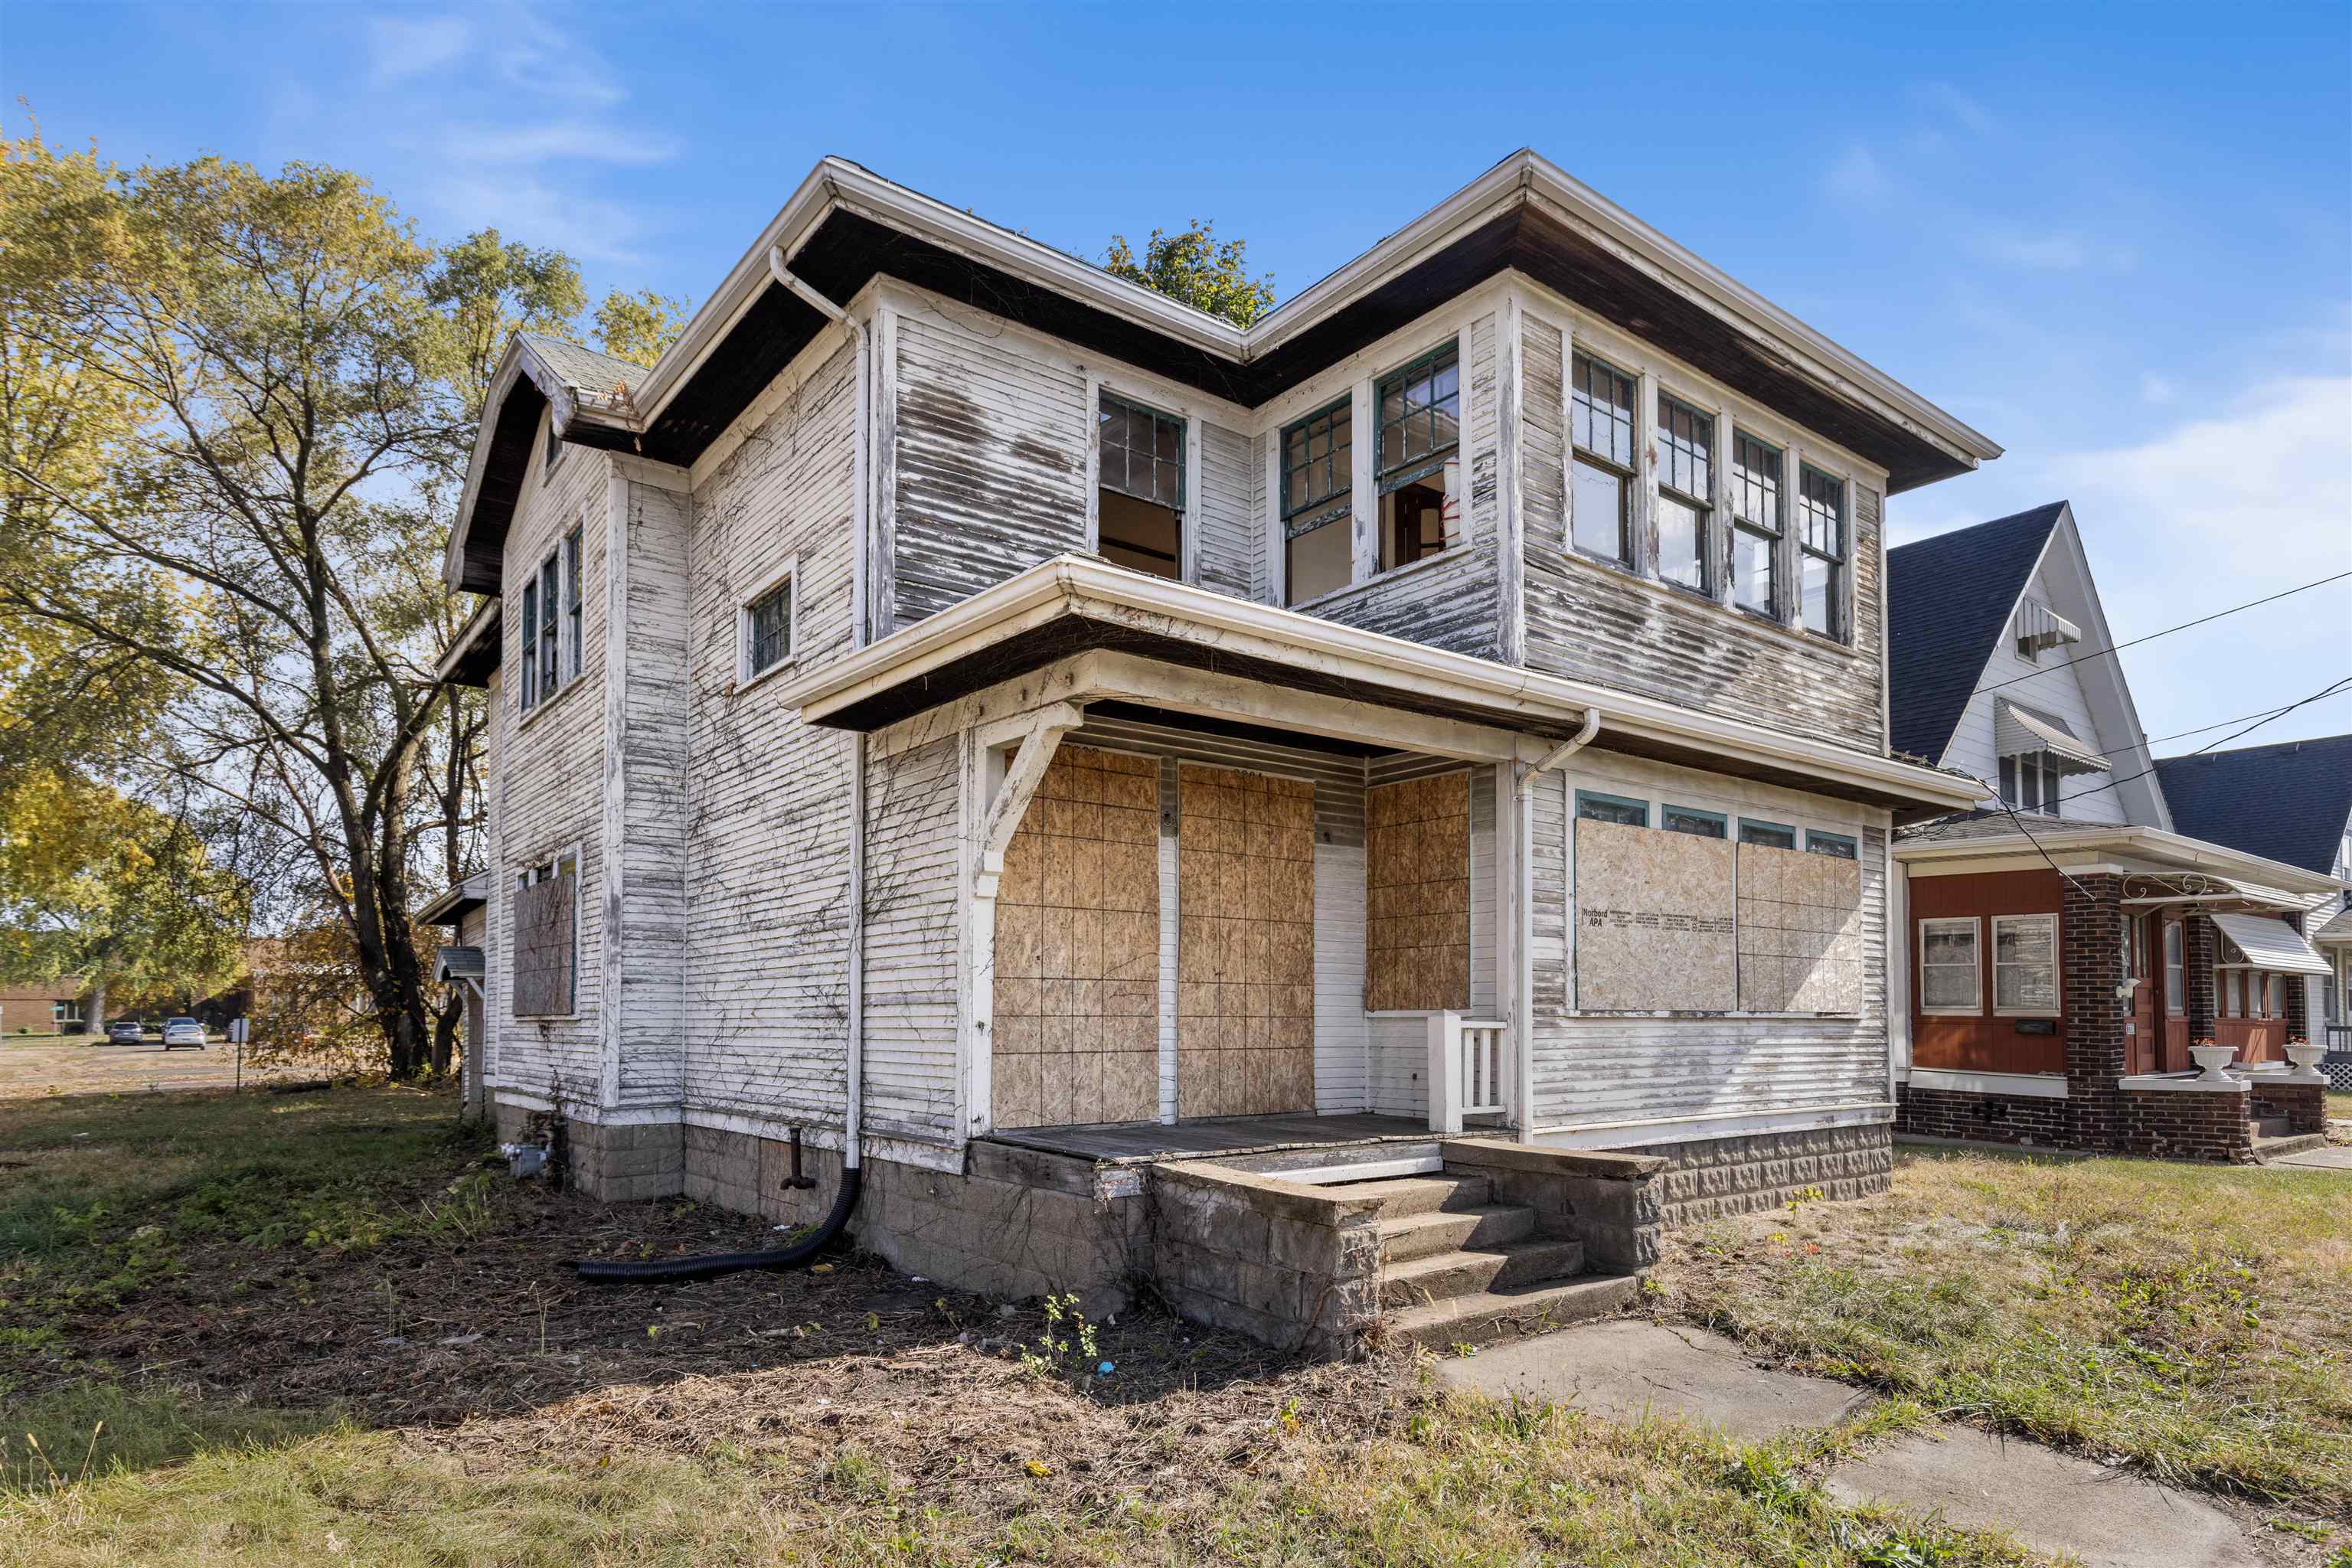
[(1245, 942), (1077, 948)]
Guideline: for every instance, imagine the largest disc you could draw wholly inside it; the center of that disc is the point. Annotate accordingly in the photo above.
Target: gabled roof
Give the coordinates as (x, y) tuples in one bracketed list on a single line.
[(1948, 601), (2285, 802), (586, 371), (845, 226)]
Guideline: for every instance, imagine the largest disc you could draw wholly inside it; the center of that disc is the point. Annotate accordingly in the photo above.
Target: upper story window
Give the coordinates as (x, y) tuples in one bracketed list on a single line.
[(1140, 498), (763, 629), (1822, 550), (554, 452), (1420, 473), (1686, 490), (552, 632), (1600, 431), (2029, 782), (1319, 479), (2040, 628), (1755, 524)]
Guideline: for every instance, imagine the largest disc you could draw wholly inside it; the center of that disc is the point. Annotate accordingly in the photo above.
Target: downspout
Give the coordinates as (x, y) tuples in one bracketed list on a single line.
[(845, 1199), (1525, 1010)]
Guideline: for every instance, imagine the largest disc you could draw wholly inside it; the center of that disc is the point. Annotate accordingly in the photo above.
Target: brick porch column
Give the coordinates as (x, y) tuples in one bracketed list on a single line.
[(2202, 945), (2092, 940)]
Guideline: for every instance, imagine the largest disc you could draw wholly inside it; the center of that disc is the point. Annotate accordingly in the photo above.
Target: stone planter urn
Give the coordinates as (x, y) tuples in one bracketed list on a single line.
[(2306, 1059), (2212, 1058)]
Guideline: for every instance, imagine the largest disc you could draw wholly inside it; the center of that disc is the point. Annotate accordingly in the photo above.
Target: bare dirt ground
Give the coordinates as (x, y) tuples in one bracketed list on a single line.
[(76, 1066)]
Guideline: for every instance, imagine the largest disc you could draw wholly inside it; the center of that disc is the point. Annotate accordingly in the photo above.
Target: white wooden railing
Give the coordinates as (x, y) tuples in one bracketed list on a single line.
[(1466, 1058)]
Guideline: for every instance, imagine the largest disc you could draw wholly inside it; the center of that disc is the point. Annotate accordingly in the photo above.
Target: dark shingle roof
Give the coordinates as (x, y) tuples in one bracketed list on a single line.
[(2286, 802), (586, 368), (1947, 599)]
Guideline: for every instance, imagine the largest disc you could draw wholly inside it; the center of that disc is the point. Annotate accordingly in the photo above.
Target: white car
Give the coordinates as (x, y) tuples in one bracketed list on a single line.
[(182, 1032)]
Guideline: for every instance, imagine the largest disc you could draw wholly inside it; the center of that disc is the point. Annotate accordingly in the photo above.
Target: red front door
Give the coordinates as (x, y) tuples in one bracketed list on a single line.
[(2140, 1049)]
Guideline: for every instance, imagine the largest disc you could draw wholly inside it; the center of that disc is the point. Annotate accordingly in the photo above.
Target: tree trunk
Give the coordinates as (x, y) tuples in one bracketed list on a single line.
[(445, 1030), (95, 1014)]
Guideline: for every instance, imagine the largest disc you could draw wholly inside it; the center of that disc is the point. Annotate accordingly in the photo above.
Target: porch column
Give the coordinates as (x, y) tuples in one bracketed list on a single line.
[(2200, 945), (2094, 939)]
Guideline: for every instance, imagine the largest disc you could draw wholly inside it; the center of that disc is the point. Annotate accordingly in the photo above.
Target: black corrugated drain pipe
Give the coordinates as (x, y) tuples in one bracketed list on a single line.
[(710, 1264)]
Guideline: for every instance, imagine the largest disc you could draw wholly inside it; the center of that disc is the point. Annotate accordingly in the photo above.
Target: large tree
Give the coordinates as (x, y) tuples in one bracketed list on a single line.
[(302, 373)]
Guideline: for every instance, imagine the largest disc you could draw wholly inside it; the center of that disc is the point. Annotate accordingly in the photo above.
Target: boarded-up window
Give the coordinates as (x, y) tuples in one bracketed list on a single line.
[(1655, 919), (1417, 877), (545, 946), (1801, 939)]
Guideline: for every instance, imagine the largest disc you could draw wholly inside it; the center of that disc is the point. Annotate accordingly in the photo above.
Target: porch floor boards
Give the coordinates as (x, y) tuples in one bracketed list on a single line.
[(1142, 1141)]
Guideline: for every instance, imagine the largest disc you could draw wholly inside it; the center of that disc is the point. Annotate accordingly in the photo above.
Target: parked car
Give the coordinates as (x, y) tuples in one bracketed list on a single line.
[(125, 1032), (180, 1032)]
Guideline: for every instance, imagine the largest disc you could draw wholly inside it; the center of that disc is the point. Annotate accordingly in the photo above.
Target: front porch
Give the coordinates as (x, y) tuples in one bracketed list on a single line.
[(1345, 1137)]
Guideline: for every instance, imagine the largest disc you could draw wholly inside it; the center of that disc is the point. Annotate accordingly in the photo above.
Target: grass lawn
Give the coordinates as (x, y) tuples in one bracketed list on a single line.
[(298, 1327)]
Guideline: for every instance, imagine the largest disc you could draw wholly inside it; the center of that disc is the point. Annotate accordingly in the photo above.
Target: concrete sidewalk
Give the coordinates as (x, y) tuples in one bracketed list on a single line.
[(2108, 1518)]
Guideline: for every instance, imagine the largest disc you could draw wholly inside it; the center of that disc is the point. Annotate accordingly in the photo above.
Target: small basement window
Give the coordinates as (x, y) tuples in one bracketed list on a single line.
[(1770, 835), (1140, 497), (1420, 475), (1600, 480), (1592, 807), (1319, 479)]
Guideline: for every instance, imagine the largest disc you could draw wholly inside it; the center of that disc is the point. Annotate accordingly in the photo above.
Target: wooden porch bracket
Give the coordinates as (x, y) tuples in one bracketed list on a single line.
[(1039, 741)]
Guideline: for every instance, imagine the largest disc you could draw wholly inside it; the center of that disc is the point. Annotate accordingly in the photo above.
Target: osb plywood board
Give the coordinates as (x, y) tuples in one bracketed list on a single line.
[(1417, 881), (1655, 919), (1245, 944), (1077, 948), (1800, 938)]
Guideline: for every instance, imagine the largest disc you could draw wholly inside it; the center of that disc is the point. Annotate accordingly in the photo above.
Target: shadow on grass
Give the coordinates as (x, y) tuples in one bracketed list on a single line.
[(94, 1429)]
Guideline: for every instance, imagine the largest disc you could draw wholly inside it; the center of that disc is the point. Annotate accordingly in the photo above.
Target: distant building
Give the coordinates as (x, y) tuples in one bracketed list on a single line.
[(51, 1007)]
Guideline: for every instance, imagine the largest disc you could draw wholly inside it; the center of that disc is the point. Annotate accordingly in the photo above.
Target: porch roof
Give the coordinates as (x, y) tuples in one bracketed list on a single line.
[(1072, 606), (2214, 871), (2336, 932)]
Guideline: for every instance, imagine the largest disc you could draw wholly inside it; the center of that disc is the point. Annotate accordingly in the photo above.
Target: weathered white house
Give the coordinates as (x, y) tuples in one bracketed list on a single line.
[(1278, 812), (2064, 949)]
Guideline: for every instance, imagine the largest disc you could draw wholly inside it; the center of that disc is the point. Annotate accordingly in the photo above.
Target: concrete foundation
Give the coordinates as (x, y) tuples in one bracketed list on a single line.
[(1710, 1178)]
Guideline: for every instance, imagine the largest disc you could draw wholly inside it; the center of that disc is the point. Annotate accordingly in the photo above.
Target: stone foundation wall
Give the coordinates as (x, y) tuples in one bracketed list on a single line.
[(2024, 1120), (1611, 1203), (617, 1164), (1709, 1178), (1292, 1265), (2305, 1105), (2187, 1124)]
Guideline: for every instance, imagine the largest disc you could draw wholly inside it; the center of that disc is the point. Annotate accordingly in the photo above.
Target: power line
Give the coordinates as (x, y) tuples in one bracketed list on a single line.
[(2101, 653), (2216, 724)]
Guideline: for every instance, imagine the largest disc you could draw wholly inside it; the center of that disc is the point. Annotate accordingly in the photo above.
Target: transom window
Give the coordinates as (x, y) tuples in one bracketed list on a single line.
[(1594, 807), (1319, 479), (1601, 430), (1685, 488), (1140, 498), (1755, 524), (1419, 413), (1951, 972), (1691, 820), (1821, 540), (1770, 835), (1840, 845)]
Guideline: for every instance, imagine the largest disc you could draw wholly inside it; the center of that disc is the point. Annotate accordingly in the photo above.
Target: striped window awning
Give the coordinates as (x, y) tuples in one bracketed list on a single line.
[(2271, 944), (2021, 731)]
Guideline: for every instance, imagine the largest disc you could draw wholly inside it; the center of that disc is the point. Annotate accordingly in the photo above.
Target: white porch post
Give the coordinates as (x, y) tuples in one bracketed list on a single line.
[(1445, 1073)]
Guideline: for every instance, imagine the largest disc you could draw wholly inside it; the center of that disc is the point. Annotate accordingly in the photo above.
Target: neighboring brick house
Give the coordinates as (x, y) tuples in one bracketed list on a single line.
[(2066, 946), (49, 1007), (966, 718)]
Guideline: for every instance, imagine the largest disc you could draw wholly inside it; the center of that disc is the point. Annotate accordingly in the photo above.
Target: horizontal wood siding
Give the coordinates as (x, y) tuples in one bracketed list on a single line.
[(649, 924), (991, 458), (913, 807), (1227, 525), (768, 796)]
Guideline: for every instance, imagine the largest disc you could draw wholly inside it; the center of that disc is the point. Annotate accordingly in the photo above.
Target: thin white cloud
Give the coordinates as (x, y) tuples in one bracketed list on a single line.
[(400, 47), (1958, 106), (1856, 178), (2036, 252), (587, 140), (2154, 388)]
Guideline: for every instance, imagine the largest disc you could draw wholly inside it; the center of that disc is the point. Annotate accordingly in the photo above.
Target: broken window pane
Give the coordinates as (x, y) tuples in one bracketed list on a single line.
[(1318, 561), (1140, 499)]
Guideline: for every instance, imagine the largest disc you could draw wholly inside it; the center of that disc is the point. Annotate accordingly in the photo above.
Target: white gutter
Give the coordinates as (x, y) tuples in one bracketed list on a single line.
[(1524, 846), (854, 1097), (1071, 584), (2185, 854)]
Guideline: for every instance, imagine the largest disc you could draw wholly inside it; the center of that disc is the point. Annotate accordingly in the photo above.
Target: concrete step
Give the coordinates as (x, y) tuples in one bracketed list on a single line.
[(1490, 1315), (1407, 1236), (1449, 1274), (2269, 1149), (1401, 1195)]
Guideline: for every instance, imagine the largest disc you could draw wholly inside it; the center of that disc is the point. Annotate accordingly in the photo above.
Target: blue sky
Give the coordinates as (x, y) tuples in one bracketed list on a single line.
[(2116, 239)]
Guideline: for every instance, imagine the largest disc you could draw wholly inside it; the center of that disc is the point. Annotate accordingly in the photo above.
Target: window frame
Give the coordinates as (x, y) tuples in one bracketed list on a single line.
[(2057, 966), (1839, 565), (1388, 479), (1975, 1009), (786, 572), (1851, 845), (1602, 797), (575, 620), (1627, 471), (1774, 608), (1721, 821), (540, 871), (1672, 456), (1160, 412), (2173, 950), (553, 454), (1796, 838), (527, 696), (1329, 507)]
